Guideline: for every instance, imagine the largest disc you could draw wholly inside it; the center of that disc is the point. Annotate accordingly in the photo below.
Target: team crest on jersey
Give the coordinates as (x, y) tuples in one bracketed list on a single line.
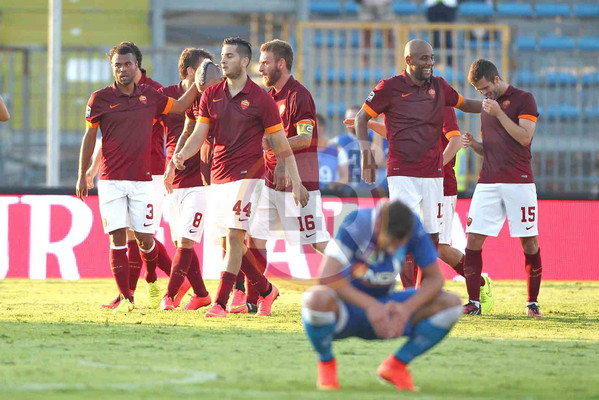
[(88, 111), (370, 96), (143, 99), (245, 104), (281, 109), (432, 92), (505, 104), (469, 221)]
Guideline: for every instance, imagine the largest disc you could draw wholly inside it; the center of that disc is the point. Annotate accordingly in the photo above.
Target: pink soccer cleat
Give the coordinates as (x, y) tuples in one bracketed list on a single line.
[(265, 303), (238, 302), (216, 311), (181, 293), (196, 302), (167, 303)]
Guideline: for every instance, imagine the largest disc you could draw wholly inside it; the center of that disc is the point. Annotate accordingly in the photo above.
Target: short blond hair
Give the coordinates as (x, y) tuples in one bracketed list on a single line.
[(280, 49)]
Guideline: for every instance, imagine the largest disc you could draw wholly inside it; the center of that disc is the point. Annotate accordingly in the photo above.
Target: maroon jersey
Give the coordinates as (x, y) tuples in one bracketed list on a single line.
[(504, 159), (414, 122), (239, 124), (173, 124), (126, 126), (157, 131), (296, 106), (450, 129)]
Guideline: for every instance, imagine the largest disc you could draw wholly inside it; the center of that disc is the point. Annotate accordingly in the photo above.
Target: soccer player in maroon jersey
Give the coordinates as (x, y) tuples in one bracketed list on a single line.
[(506, 185), (413, 104), (133, 253), (124, 112), (241, 113), (276, 214), (187, 193)]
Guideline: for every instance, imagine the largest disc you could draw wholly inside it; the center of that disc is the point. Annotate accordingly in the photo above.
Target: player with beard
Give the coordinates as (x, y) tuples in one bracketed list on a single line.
[(506, 185), (276, 215), (133, 253), (186, 188), (241, 113), (413, 104), (125, 112)]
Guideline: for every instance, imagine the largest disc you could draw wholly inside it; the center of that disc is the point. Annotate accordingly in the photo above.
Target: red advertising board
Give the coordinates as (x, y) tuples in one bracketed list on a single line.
[(54, 236)]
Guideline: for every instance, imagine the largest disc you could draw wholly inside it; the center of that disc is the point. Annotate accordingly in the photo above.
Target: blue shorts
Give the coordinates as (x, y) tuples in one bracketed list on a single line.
[(353, 321)]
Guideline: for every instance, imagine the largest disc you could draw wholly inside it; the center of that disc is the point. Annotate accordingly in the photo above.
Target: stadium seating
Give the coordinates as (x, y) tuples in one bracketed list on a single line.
[(475, 9), (552, 43), (552, 10), (586, 10), (522, 10)]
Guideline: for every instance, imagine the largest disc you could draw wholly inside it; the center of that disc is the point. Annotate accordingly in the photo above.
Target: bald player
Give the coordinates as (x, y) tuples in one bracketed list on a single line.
[(413, 104)]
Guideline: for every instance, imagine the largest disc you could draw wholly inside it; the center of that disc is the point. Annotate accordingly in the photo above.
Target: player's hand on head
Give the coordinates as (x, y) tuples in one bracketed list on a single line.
[(380, 318), (491, 107), (280, 177), (350, 123)]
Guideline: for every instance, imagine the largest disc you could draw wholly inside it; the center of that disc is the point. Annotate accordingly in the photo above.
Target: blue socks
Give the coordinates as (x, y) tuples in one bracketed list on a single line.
[(319, 326), (427, 333)]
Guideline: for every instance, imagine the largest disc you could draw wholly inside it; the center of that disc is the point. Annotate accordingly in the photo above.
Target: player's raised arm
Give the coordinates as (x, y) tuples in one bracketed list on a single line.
[(87, 149), (470, 106), (522, 131), (169, 172), (4, 114), (180, 105)]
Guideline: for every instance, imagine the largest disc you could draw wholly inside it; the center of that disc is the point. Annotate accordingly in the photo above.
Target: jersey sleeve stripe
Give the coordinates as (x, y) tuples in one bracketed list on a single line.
[(274, 128), (92, 124), (169, 105), (451, 134), (204, 120), (460, 101), (528, 117), (370, 111), (304, 121)]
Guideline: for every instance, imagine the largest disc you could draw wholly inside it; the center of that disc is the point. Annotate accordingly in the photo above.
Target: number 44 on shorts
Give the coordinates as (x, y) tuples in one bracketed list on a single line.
[(247, 209)]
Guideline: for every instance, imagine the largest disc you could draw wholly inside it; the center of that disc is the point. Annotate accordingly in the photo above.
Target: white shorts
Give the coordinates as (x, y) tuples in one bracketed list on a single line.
[(188, 207), (424, 196), (492, 202), (126, 204), (277, 217), (158, 197), (232, 205), (447, 211)]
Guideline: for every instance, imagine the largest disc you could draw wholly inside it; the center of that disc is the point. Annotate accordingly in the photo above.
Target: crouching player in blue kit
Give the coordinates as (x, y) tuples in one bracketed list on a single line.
[(357, 298)]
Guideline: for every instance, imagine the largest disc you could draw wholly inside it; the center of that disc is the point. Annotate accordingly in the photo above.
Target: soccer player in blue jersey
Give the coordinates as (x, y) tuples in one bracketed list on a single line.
[(357, 298)]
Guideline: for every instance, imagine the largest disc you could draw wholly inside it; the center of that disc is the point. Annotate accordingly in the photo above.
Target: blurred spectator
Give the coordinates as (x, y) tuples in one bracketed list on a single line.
[(442, 11), (374, 11), (349, 154), (328, 154)]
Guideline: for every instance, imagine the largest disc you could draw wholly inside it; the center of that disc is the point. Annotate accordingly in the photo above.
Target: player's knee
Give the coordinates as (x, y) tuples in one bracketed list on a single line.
[(530, 245), (445, 300), (319, 298)]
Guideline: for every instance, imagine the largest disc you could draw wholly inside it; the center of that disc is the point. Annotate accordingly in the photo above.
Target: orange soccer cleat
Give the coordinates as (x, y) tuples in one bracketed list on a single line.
[(238, 302), (396, 373), (181, 293), (327, 375), (265, 303), (216, 311), (196, 302), (167, 303), (114, 303)]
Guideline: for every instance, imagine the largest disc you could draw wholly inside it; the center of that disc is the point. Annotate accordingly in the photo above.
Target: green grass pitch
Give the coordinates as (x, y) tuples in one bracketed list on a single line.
[(56, 343)]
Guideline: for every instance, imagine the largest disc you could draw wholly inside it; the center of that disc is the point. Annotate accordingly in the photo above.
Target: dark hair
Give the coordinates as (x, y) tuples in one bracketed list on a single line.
[(124, 48), (244, 48), (400, 220), (482, 69), (280, 49), (320, 120), (191, 57), (136, 50)]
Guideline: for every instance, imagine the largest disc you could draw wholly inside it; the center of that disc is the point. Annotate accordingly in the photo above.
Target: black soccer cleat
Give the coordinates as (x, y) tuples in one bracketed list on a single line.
[(471, 308), (532, 310), (252, 308)]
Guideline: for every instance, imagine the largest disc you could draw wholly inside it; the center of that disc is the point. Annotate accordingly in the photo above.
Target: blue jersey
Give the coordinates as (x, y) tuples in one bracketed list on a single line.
[(349, 145), (375, 274), (327, 165)]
